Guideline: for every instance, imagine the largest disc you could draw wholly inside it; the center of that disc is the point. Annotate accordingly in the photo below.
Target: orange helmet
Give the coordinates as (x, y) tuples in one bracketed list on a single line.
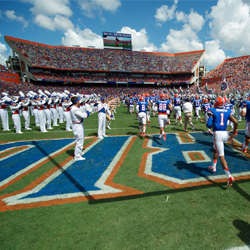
[(148, 95), (141, 99), (197, 97), (205, 101), (219, 102), (162, 96), (130, 97), (175, 95), (167, 96), (153, 95)]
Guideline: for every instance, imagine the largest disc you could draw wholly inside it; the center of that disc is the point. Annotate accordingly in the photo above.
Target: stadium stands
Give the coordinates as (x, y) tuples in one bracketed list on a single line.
[(4, 69), (73, 58), (236, 71)]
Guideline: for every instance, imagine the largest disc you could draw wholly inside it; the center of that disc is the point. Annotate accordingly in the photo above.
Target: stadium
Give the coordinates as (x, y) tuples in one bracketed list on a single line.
[(132, 191)]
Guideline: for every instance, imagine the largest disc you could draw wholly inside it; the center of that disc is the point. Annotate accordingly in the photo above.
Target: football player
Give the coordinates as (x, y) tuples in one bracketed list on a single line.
[(143, 107), (218, 117), (163, 106), (246, 113)]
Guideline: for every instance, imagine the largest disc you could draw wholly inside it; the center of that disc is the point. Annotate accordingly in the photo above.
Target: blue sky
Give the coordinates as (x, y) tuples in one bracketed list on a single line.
[(221, 27)]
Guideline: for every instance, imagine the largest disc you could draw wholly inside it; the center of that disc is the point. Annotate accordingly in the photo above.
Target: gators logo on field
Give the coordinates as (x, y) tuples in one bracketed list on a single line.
[(181, 161)]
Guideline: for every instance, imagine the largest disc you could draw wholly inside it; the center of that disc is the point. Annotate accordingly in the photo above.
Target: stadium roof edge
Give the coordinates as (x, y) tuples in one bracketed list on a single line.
[(53, 46)]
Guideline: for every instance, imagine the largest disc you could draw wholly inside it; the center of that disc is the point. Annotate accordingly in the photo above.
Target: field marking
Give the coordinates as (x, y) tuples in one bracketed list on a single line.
[(145, 170), (7, 153), (20, 174), (246, 247), (12, 202)]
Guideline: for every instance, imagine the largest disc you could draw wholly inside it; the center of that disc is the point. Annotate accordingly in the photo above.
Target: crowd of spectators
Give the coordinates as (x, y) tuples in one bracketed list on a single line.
[(88, 89), (236, 71), (65, 77), (4, 69), (114, 90), (105, 59)]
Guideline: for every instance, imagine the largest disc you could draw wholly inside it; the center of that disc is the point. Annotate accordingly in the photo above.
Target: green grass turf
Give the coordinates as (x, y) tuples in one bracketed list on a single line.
[(205, 217)]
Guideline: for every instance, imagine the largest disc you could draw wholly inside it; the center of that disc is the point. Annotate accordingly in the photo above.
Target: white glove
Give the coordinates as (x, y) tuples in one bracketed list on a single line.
[(88, 108)]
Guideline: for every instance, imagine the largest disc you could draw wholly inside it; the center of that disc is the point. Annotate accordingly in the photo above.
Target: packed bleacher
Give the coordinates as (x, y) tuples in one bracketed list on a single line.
[(107, 90), (65, 77), (4, 69), (236, 72), (104, 59)]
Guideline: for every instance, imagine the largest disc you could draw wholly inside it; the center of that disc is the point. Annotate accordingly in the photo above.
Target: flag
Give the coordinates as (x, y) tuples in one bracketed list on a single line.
[(224, 86), (181, 91), (198, 90), (208, 91)]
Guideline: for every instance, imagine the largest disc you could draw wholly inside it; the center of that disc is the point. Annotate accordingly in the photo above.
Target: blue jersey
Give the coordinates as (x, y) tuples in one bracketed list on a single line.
[(162, 106), (131, 101), (177, 101), (228, 106), (142, 106), (197, 103), (246, 104), (239, 104), (152, 99), (206, 107), (219, 118)]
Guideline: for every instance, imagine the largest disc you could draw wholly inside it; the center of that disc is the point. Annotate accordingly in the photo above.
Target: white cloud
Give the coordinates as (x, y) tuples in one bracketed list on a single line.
[(53, 23), (52, 15), (181, 16), (3, 56), (91, 7), (51, 7), (84, 38), (164, 13), (230, 24), (194, 20), (139, 39), (182, 40), (185, 39), (12, 16), (214, 54)]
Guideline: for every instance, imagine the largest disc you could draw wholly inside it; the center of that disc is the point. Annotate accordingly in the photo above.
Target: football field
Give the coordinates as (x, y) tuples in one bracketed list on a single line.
[(129, 193)]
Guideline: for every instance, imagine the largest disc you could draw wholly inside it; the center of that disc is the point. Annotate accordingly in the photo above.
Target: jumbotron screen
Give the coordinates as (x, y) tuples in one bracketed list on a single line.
[(117, 40)]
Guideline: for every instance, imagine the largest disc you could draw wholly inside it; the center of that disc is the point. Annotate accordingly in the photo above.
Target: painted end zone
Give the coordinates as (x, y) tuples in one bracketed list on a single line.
[(183, 160), (74, 181)]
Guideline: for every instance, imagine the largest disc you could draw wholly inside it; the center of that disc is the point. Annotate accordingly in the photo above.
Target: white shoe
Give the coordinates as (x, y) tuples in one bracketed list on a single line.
[(56, 125), (79, 158), (104, 135), (49, 128), (100, 137), (108, 127), (28, 129), (20, 133), (44, 131), (6, 129), (69, 130)]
